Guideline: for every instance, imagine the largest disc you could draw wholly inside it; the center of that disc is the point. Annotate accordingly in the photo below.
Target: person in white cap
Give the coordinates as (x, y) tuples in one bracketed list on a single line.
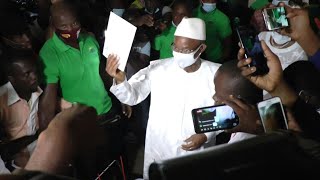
[(177, 85)]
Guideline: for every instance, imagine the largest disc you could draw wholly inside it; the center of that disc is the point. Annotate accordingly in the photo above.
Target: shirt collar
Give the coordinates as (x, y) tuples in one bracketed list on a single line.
[(13, 96), (60, 45)]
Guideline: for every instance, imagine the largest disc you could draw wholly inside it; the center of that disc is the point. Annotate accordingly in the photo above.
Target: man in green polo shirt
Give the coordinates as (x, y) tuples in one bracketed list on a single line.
[(163, 42), (71, 58), (218, 31)]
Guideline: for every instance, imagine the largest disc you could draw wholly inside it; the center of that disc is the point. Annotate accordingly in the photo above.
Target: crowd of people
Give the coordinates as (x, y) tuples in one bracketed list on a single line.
[(66, 111)]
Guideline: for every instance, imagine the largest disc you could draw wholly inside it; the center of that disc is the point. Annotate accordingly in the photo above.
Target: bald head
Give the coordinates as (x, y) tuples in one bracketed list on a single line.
[(63, 15), (229, 81)]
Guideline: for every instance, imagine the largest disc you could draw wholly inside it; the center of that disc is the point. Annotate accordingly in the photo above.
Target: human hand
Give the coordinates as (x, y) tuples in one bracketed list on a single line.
[(299, 23), (126, 110), (145, 20), (194, 142), (112, 68), (249, 119), (269, 81)]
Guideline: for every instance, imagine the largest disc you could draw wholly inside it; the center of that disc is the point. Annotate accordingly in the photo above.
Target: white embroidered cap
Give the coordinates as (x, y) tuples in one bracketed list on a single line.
[(193, 28)]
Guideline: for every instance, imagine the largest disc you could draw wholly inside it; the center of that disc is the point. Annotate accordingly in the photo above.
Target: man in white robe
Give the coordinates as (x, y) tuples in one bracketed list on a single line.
[(177, 86)]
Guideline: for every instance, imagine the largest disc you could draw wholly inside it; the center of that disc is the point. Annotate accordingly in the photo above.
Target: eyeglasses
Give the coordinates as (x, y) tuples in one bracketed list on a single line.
[(184, 51)]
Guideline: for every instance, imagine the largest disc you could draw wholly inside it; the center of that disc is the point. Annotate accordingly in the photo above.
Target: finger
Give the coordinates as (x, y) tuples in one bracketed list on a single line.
[(111, 62), (239, 102), (149, 17), (188, 147), (233, 105), (241, 53), (240, 46), (188, 140), (129, 110), (244, 63), (113, 67), (248, 71)]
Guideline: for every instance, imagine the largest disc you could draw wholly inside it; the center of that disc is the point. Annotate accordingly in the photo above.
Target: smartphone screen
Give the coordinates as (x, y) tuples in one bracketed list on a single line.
[(250, 42), (272, 114), (275, 18), (214, 118)]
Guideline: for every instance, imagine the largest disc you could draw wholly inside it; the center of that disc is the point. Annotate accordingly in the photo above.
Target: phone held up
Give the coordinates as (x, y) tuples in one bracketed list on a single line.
[(252, 46), (272, 114), (275, 18), (214, 118)]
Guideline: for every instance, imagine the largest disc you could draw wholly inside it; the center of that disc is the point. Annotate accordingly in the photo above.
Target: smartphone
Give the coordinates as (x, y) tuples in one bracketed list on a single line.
[(213, 118), (249, 41), (272, 114), (275, 18)]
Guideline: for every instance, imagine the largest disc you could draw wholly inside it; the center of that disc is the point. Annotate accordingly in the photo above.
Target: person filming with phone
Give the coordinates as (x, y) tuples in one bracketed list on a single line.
[(177, 85)]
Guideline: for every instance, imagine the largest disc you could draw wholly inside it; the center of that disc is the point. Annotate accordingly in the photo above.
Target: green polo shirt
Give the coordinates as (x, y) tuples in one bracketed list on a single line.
[(164, 41), (77, 71), (218, 28)]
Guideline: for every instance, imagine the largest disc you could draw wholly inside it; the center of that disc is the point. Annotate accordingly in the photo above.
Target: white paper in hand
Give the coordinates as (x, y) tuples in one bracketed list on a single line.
[(118, 39)]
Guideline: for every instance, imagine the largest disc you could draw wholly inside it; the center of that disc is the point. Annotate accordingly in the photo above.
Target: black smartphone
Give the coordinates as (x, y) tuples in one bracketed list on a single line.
[(213, 118), (275, 18), (252, 46)]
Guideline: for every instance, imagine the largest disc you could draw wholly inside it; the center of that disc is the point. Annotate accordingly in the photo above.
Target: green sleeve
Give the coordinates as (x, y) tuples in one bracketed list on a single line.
[(50, 61)]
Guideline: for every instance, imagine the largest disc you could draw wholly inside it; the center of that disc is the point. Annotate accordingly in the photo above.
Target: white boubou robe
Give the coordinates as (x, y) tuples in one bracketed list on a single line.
[(174, 93)]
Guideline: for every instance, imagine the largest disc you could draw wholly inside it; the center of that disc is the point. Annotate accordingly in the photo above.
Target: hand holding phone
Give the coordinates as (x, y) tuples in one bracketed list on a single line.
[(272, 114), (270, 81), (214, 118), (250, 42)]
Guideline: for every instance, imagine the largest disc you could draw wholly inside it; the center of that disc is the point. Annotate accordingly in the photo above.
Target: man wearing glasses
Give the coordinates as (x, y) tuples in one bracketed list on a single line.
[(177, 85)]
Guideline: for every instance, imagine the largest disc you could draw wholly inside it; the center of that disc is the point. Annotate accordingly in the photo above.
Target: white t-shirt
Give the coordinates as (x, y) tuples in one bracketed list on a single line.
[(287, 55)]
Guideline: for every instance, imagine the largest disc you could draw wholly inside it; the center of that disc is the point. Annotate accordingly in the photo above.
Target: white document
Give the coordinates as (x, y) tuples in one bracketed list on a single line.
[(118, 39)]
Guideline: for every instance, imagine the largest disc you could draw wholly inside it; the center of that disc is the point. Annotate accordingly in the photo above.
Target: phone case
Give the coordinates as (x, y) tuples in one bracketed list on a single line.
[(272, 114)]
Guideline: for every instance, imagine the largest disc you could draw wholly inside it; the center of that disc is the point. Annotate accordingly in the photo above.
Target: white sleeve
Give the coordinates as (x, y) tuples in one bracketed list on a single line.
[(135, 90)]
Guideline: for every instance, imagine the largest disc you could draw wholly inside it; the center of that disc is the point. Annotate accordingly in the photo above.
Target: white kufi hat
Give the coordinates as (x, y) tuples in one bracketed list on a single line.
[(193, 28)]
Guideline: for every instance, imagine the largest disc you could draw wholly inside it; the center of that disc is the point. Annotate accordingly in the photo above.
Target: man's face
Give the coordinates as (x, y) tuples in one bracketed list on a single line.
[(66, 21), (221, 82), (178, 13), (25, 76), (19, 41), (185, 45), (151, 5)]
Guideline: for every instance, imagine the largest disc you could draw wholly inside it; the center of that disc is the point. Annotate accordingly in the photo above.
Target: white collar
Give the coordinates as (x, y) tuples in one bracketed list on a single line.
[(13, 96)]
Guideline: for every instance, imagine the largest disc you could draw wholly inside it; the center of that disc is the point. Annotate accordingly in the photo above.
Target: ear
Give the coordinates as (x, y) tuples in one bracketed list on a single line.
[(200, 51)]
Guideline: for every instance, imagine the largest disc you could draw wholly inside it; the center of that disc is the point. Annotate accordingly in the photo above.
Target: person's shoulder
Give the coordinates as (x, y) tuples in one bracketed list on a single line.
[(212, 66), (47, 48), (89, 38), (221, 15), (160, 64)]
